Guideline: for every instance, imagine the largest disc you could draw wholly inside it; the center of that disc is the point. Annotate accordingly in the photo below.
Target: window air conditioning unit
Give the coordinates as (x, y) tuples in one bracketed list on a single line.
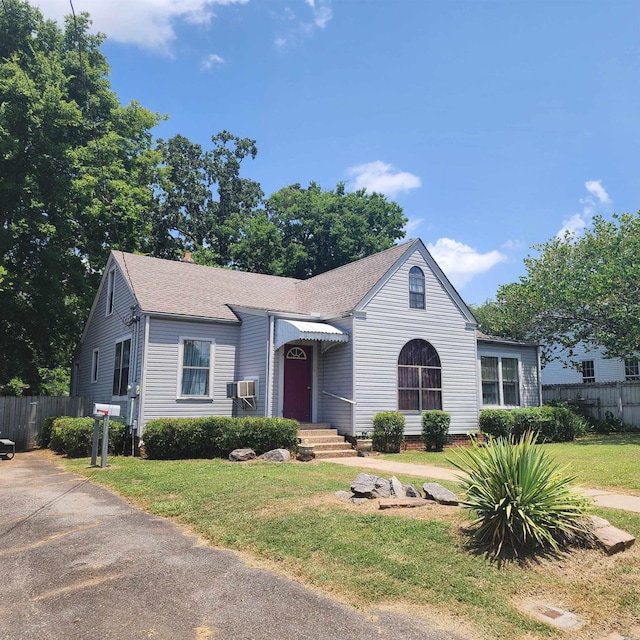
[(241, 389)]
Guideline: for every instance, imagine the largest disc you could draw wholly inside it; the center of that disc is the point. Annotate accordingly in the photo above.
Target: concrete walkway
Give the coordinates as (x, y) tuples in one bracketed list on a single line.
[(375, 464), (78, 562)]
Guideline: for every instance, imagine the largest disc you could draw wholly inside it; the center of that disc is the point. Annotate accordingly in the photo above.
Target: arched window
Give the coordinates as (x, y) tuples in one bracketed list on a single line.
[(416, 288), (419, 377)]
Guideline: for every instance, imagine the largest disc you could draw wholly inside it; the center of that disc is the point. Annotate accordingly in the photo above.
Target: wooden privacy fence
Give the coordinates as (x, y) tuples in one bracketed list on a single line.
[(21, 418), (622, 399)]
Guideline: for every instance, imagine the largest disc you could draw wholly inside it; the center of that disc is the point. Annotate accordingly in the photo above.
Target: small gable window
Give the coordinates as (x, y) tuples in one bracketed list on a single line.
[(419, 377), (416, 288), (111, 289)]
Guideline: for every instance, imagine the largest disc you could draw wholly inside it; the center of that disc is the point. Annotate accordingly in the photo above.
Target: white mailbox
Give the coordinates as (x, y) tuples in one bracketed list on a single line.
[(100, 410)]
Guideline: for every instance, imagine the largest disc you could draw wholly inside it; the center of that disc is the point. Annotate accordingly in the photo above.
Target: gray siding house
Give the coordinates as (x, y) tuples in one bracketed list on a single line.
[(387, 332)]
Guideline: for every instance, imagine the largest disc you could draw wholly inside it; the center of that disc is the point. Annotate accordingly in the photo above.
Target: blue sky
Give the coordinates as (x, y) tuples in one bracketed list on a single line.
[(494, 124)]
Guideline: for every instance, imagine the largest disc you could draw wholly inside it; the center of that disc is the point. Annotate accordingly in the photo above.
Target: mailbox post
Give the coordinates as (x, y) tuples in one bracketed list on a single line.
[(102, 411)]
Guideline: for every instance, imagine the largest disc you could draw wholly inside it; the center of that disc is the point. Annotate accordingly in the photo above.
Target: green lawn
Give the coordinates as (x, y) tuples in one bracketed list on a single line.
[(286, 517), (609, 462)]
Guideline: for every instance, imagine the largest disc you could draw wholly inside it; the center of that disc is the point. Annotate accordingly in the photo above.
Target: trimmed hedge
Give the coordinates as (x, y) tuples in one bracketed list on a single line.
[(435, 427), (216, 436), (44, 437), (558, 423), (388, 431), (74, 436)]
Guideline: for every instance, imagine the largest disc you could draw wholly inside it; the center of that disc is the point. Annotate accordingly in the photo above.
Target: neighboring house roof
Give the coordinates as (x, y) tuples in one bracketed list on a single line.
[(186, 289), (483, 337)]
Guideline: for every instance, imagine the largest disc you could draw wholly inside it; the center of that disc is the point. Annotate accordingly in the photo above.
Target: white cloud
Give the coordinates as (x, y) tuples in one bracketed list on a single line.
[(597, 199), (412, 225), (146, 23), (595, 188), (211, 60), (460, 262), (383, 178), (321, 15)]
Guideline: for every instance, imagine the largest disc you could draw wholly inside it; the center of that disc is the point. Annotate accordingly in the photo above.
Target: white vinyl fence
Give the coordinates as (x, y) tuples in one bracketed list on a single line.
[(622, 399), (21, 418)]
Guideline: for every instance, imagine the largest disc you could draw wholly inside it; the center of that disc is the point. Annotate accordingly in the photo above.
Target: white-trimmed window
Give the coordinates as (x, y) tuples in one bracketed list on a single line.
[(111, 290), (95, 365), (416, 288), (196, 370), (500, 381), (631, 369), (588, 371), (419, 377), (121, 368)]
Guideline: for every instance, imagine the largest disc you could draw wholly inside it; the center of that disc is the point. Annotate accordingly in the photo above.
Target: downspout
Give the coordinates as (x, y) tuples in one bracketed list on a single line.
[(269, 372), (143, 376), (539, 376)]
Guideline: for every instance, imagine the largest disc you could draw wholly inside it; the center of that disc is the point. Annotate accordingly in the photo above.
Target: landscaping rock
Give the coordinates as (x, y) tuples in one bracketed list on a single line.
[(435, 491), (609, 538), (240, 455), (397, 488), (276, 455), (357, 500), (410, 491), (395, 503), (344, 495), (368, 486)]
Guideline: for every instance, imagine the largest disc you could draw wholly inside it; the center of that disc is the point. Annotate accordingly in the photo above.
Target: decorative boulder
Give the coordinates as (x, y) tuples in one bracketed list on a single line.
[(435, 491), (410, 491), (276, 455), (397, 488), (240, 455), (344, 495), (368, 486)]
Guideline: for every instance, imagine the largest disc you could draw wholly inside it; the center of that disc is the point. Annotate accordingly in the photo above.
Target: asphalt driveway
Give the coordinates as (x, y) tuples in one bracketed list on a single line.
[(77, 562)]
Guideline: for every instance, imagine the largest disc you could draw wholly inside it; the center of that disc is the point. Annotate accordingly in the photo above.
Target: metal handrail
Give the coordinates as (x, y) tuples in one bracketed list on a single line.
[(333, 395)]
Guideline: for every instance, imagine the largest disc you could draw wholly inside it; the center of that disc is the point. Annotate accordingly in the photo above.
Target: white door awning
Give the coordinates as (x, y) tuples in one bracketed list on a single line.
[(290, 330)]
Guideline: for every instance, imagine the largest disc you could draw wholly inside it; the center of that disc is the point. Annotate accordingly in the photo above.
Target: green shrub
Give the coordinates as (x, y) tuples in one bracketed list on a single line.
[(435, 427), (44, 437), (74, 436), (520, 501), (388, 431), (569, 423), (538, 420), (496, 422), (216, 436)]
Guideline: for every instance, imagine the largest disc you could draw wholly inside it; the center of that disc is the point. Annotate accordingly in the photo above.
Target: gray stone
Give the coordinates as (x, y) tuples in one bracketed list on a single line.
[(240, 455), (404, 503), (411, 491), (368, 486), (435, 491), (357, 500), (343, 495), (397, 488), (276, 455), (609, 538)]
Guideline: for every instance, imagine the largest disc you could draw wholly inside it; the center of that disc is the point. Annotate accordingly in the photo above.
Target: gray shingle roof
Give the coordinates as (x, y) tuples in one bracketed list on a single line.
[(181, 288)]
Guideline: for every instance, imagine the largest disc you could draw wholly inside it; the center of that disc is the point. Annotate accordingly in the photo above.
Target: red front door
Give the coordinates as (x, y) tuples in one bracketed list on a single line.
[(297, 382)]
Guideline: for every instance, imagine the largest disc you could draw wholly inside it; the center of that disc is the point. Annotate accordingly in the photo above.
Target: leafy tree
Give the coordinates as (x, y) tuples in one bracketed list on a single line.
[(583, 289), (321, 230), (188, 215), (76, 174), (497, 318)]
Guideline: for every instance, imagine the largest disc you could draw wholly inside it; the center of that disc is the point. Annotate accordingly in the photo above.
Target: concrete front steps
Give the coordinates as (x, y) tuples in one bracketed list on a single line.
[(325, 440)]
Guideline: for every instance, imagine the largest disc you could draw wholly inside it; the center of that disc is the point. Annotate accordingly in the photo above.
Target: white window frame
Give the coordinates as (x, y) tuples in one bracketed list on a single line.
[(500, 357), (131, 356), (95, 365), (588, 379), (424, 289), (111, 291), (181, 341), (629, 364)]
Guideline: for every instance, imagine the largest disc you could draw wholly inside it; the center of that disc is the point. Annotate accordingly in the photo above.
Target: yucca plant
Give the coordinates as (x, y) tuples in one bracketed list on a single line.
[(521, 501)]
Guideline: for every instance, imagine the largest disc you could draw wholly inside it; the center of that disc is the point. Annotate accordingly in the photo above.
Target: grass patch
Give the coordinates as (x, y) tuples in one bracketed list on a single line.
[(286, 517), (609, 462)]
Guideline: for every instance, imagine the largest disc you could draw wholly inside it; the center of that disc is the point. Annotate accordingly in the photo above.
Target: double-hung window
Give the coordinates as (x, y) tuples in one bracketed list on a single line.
[(500, 381), (121, 368), (195, 368), (631, 369), (588, 371)]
